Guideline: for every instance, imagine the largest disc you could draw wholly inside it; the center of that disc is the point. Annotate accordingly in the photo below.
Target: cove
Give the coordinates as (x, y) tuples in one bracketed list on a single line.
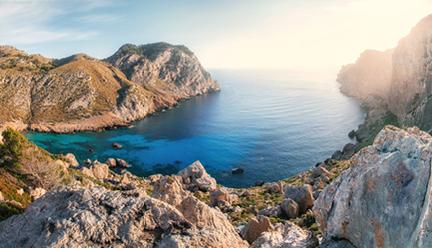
[(272, 125)]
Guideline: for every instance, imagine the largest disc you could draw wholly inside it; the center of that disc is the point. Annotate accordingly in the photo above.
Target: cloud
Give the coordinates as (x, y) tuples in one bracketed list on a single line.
[(99, 18), (32, 22)]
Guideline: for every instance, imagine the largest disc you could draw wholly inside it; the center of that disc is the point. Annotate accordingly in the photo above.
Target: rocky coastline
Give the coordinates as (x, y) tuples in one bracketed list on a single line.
[(191, 209), (80, 93)]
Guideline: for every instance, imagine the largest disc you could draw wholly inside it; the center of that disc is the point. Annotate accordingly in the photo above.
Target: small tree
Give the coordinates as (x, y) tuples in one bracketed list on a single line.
[(11, 149)]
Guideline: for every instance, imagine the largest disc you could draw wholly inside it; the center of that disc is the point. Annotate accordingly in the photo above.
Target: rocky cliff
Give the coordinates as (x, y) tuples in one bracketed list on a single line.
[(400, 77), (83, 93), (383, 199)]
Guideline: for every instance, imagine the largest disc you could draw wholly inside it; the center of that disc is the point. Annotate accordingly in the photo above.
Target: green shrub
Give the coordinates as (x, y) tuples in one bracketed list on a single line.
[(11, 149)]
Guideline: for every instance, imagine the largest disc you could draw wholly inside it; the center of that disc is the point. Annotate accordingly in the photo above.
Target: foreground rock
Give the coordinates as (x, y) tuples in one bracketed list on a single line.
[(100, 218), (256, 227), (383, 199), (286, 236)]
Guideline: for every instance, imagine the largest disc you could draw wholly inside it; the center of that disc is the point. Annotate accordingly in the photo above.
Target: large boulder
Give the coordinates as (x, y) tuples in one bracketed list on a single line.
[(71, 159), (290, 208), (100, 171), (195, 177), (286, 236), (255, 227), (100, 218), (302, 195), (383, 199)]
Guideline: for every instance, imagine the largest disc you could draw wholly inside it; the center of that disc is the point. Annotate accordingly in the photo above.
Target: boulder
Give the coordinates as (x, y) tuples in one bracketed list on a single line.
[(125, 179), (111, 162), (290, 208), (270, 211), (383, 199), (237, 171), (259, 183), (348, 151), (37, 193), (195, 177), (100, 171), (255, 227), (71, 160), (222, 197), (286, 236), (302, 195), (20, 191), (320, 171), (87, 172), (100, 218), (276, 187), (122, 163), (337, 155), (117, 146)]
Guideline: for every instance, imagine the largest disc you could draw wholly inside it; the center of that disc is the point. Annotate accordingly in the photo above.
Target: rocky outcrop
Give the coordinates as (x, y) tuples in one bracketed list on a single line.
[(173, 70), (82, 93), (197, 178), (382, 200), (100, 218)]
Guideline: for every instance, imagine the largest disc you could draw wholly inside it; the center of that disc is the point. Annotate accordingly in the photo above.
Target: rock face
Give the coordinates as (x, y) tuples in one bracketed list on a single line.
[(101, 218), (83, 93), (382, 200), (400, 77)]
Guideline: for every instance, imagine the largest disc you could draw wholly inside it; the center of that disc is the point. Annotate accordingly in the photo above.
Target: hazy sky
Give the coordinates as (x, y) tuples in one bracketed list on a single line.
[(294, 34)]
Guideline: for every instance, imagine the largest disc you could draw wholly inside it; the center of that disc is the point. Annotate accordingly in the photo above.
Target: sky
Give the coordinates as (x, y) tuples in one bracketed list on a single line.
[(309, 35)]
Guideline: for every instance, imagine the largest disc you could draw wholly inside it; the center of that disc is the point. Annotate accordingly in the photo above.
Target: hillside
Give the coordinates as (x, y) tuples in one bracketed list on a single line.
[(82, 93)]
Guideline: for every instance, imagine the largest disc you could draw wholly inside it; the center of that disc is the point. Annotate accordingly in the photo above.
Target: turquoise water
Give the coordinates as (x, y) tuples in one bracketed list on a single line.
[(273, 126)]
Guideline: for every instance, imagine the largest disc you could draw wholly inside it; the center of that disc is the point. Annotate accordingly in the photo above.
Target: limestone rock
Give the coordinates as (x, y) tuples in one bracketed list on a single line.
[(169, 189), (286, 236), (290, 208), (195, 177), (20, 191), (302, 195), (255, 228), (71, 159), (100, 218), (276, 187), (37, 193), (111, 162), (122, 163), (87, 172), (100, 171), (382, 200)]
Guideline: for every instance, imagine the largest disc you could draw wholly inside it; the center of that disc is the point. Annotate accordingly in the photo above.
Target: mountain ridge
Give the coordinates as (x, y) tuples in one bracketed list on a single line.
[(79, 93)]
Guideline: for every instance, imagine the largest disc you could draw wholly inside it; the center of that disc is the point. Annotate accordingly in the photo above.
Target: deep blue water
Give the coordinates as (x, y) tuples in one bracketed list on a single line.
[(272, 125)]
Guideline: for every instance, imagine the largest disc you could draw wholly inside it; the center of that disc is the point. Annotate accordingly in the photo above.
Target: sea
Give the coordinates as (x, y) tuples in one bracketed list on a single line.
[(272, 124)]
